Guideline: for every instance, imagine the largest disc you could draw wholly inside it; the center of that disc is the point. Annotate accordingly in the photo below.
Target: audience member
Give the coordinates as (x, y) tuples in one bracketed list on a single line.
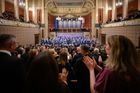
[(82, 73), (43, 76), (63, 66), (122, 71), (32, 54), (12, 77)]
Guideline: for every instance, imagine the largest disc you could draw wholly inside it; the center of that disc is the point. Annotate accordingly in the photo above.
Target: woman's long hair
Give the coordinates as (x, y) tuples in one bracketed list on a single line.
[(123, 56), (63, 58), (43, 74)]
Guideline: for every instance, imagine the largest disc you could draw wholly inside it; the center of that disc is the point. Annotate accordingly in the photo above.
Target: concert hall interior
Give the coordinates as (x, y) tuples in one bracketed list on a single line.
[(101, 28), (33, 20)]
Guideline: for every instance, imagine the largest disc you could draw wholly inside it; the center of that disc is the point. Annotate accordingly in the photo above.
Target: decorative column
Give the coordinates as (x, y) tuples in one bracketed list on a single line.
[(76, 24), (139, 5), (125, 8), (46, 24), (70, 25), (26, 11), (114, 10), (97, 8), (34, 12), (62, 25), (67, 25), (16, 8), (105, 11), (2, 6), (0, 9), (43, 10), (93, 29)]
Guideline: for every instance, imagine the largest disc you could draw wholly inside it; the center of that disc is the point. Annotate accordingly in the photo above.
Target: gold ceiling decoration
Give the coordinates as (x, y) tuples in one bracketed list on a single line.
[(69, 8)]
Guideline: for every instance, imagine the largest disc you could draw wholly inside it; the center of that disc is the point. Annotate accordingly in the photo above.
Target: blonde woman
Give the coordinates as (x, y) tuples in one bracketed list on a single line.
[(122, 71)]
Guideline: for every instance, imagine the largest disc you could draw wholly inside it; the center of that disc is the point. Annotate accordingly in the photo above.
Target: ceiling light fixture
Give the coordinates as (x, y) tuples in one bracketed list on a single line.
[(21, 3), (80, 18), (119, 3), (58, 18)]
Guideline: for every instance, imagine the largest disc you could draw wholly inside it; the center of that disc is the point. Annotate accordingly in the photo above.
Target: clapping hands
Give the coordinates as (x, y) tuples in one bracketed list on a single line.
[(89, 62)]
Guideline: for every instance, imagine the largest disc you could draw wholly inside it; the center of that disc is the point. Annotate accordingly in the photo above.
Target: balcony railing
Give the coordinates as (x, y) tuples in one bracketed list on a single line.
[(135, 22), (16, 23)]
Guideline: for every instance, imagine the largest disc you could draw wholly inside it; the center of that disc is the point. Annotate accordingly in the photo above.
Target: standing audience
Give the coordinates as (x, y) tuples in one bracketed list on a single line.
[(12, 76), (65, 69), (43, 76), (82, 72), (122, 71)]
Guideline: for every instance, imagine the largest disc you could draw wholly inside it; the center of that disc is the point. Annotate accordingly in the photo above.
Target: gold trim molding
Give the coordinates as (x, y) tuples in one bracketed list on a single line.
[(84, 9)]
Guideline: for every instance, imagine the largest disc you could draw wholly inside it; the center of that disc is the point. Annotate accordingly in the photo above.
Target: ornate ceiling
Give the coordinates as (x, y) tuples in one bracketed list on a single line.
[(69, 2), (69, 8)]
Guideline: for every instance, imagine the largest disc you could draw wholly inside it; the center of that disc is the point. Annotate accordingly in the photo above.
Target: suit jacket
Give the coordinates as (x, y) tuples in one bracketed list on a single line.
[(12, 76), (82, 74)]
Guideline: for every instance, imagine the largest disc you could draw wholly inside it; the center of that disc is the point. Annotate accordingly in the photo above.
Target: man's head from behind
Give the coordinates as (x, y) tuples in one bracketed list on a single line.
[(7, 42), (84, 49)]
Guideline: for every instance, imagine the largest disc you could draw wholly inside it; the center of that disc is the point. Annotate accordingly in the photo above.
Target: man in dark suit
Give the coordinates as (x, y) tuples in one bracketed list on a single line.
[(82, 73), (12, 77)]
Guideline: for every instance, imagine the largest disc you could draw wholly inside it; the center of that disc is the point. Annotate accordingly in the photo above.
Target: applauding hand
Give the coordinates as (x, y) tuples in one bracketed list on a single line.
[(89, 62)]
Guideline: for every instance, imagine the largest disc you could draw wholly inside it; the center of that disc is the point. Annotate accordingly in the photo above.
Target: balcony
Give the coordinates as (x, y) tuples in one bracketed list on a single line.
[(135, 22), (4, 22)]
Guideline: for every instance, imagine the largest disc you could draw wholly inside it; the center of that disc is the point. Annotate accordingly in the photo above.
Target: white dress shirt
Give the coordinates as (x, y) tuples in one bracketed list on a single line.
[(6, 51)]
